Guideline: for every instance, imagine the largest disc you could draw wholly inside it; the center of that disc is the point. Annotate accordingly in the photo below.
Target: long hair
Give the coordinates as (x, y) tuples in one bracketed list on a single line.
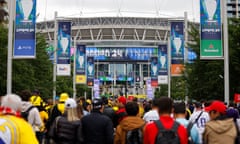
[(72, 114)]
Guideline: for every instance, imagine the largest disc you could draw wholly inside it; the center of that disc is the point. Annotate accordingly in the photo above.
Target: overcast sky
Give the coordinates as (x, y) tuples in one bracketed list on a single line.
[(138, 8)]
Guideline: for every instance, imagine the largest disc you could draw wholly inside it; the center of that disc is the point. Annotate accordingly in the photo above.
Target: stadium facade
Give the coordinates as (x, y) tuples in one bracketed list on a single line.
[(119, 35)]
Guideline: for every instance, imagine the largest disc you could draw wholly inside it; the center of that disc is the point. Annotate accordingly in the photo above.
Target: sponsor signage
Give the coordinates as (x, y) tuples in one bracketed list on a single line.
[(25, 22), (211, 29)]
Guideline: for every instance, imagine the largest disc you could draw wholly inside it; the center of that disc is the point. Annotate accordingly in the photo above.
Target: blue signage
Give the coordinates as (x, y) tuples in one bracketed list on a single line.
[(177, 42), (122, 53), (25, 21), (90, 71), (64, 42), (162, 60), (80, 59)]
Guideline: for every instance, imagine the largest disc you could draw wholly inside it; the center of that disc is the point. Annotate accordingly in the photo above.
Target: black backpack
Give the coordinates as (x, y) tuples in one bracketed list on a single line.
[(25, 114), (167, 136), (135, 136)]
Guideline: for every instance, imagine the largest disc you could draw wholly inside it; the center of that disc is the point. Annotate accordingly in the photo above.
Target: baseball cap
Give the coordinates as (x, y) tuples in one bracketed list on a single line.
[(70, 103), (97, 103), (217, 106), (63, 97)]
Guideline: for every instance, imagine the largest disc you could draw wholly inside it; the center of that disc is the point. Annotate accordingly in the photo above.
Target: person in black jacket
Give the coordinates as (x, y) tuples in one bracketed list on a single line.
[(108, 111), (96, 127), (67, 129)]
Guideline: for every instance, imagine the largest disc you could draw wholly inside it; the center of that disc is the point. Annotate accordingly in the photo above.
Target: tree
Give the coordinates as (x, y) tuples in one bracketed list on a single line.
[(3, 11), (27, 73), (205, 77), (3, 59)]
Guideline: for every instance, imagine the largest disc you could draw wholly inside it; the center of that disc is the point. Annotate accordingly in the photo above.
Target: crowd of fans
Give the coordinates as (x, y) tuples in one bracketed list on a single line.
[(26, 118)]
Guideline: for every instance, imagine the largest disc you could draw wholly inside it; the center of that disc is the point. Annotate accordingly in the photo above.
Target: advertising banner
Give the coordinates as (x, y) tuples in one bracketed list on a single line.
[(150, 94), (122, 53), (162, 60), (80, 59), (177, 45), (63, 69), (90, 71), (25, 22), (211, 31), (64, 43), (96, 88), (80, 79), (163, 64), (154, 71)]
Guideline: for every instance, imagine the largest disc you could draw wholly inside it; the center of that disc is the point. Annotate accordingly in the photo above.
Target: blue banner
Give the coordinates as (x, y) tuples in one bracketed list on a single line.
[(64, 42), (90, 71), (177, 42), (163, 59), (25, 21), (122, 53), (80, 59), (96, 88), (211, 29), (154, 71)]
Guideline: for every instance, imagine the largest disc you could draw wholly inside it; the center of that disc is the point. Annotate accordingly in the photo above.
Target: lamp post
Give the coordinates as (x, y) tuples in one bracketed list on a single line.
[(126, 83), (10, 46)]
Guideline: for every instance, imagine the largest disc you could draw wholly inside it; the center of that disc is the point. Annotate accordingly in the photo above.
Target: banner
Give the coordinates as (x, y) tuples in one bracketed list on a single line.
[(163, 64), (80, 59), (90, 71), (122, 53), (96, 88), (211, 31), (25, 22), (80, 79), (150, 94), (154, 71), (177, 45), (63, 48)]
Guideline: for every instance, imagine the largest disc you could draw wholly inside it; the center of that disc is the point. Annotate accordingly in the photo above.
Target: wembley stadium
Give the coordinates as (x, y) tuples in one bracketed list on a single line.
[(114, 37)]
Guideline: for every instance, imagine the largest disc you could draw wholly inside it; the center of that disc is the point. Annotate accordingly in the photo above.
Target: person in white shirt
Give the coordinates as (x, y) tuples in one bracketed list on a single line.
[(152, 115), (204, 117)]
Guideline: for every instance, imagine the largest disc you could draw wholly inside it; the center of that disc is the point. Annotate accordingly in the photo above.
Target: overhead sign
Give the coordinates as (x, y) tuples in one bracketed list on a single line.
[(121, 53)]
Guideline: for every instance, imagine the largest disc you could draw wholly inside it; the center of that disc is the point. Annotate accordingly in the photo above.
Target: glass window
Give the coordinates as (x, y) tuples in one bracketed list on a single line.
[(118, 69), (145, 68)]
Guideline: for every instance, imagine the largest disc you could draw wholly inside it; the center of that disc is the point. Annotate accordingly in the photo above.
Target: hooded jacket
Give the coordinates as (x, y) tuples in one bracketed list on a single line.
[(127, 124), (34, 118), (220, 132)]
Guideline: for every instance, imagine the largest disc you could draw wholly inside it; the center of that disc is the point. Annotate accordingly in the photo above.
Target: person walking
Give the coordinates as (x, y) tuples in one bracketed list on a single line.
[(180, 116), (13, 128), (67, 129), (152, 115), (203, 118), (130, 123), (96, 127), (220, 129), (153, 131), (33, 116)]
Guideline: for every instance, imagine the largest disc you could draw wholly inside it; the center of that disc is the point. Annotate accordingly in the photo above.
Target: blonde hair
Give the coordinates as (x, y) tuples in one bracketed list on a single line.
[(72, 114)]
